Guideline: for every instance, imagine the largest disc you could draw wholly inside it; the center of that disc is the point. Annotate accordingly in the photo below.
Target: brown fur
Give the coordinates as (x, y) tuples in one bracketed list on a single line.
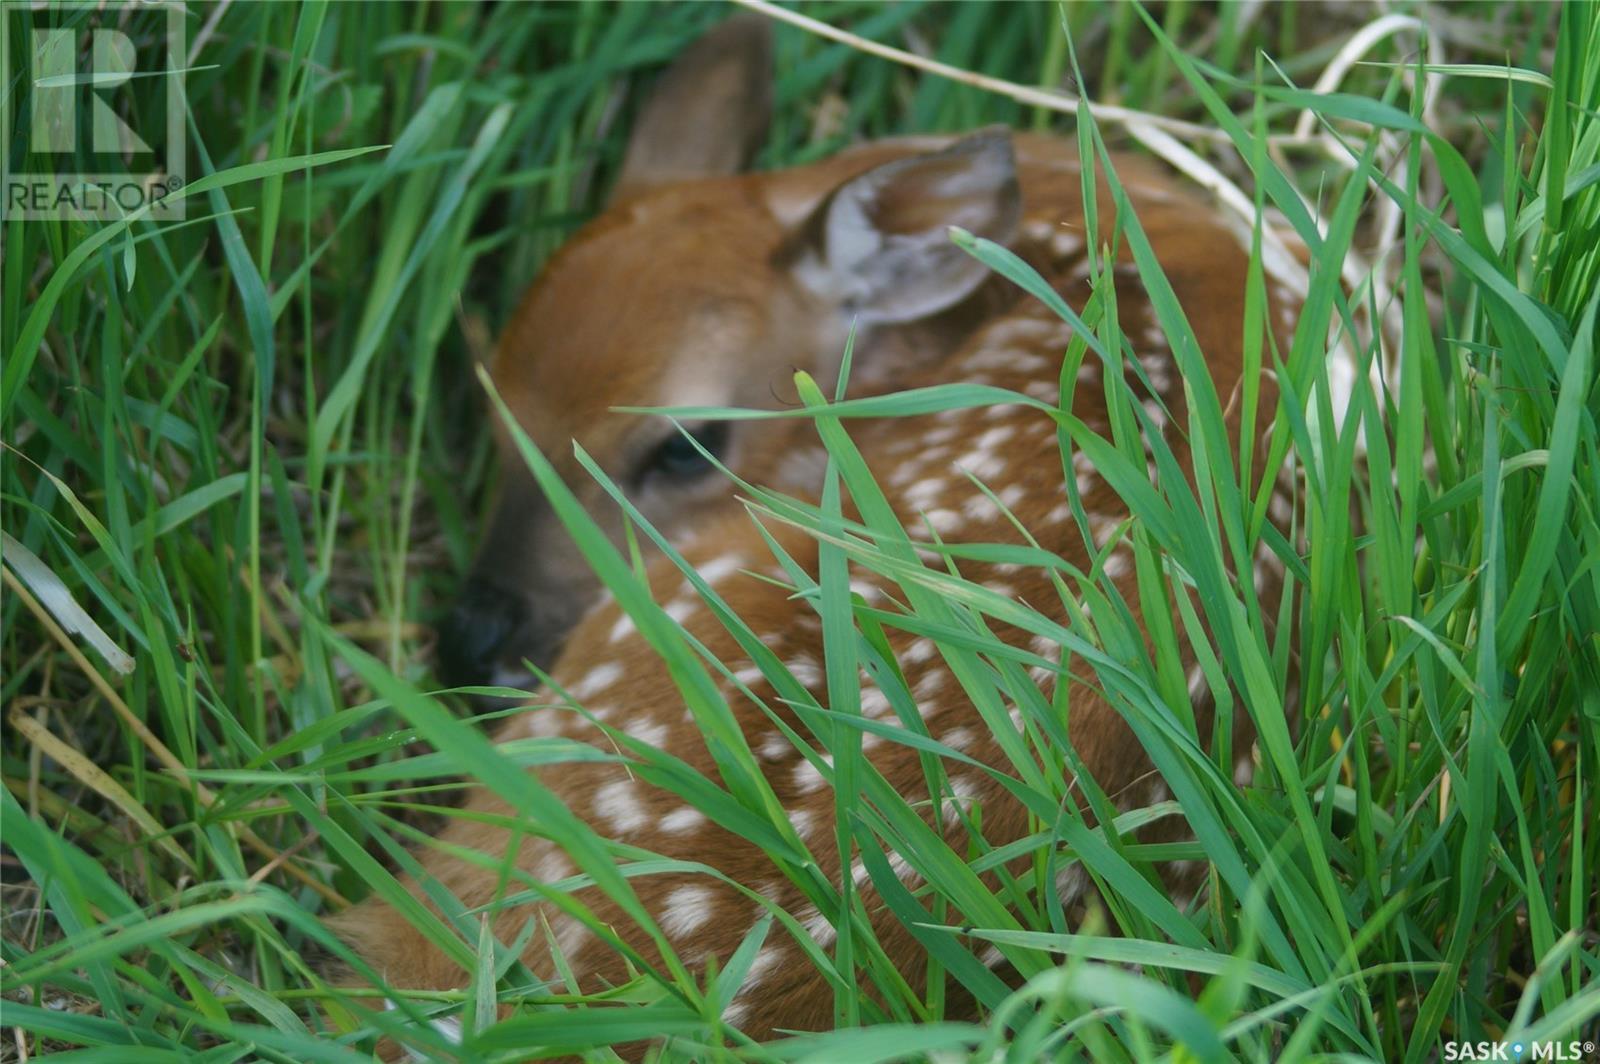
[(690, 275)]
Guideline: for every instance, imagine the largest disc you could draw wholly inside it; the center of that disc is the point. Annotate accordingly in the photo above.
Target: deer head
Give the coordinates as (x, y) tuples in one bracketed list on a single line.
[(702, 287)]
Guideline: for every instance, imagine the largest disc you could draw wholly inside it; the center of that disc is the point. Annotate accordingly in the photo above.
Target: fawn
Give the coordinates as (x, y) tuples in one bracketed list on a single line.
[(702, 286)]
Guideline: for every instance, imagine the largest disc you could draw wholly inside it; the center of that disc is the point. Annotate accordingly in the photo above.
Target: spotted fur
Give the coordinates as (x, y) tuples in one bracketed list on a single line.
[(927, 465)]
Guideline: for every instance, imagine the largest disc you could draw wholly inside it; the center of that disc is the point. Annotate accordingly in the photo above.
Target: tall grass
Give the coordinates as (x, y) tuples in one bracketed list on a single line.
[(249, 446)]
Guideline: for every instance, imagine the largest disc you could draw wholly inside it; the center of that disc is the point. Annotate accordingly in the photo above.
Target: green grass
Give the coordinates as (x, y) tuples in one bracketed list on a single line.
[(250, 446)]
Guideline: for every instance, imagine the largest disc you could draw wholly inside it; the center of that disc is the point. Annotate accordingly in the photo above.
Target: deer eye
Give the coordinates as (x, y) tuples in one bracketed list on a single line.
[(680, 459)]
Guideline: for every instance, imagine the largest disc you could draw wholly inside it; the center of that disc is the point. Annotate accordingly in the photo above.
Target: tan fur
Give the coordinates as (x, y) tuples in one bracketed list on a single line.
[(680, 281)]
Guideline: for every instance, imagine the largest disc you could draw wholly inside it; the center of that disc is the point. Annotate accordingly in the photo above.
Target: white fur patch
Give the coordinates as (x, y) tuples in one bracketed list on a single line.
[(618, 801), (597, 679), (649, 732), (688, 908), (808, 779), (818, 926), (684, 818), (959, 738)]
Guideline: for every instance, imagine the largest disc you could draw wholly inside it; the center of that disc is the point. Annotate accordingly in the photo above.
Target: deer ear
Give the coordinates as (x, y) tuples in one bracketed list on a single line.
[(885, 251), (708, 114)]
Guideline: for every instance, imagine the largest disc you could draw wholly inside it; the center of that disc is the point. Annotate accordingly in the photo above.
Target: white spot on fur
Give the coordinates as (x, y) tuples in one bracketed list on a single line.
[(597, 679), (649, 732), (720, 568), (980, 508), (902, 869), (1070, 883), (805, 670), (1064, 244), (808, 779), (1281, 509), (618, 801), (985, 465), (552, 867), (682, 819), (767, 958), (929, 684), (1188, 870), (1102, 529), (801, 821), (868, 592), (924, 493), (688, 908), (448, 1027), (909, 470), (570, 937), (540, 722), (964, 791), (1004, 358), (1038, 230), (1244, 768), (1029, 333), (817, 925)]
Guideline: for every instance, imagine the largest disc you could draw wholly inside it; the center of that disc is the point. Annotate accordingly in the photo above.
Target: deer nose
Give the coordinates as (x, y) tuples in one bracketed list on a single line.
[(478, 629)]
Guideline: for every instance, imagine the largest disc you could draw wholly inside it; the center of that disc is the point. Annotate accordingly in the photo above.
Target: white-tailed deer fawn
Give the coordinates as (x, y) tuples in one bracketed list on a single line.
[(714, 291)]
